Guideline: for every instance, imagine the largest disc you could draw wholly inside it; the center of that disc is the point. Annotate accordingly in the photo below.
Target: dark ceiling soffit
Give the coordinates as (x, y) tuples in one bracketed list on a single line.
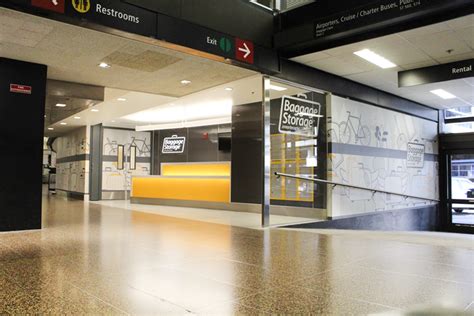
[(301, 40), (58, 88), (266, 59), (302, 74), (438, 73)]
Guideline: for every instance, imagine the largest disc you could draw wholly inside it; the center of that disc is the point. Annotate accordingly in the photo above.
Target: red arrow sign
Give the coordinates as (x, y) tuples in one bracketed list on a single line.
[(244, 50), (52, 5)]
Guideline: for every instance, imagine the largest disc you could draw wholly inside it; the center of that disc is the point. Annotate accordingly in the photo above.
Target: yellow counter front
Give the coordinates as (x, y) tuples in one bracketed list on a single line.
[(199, 182)]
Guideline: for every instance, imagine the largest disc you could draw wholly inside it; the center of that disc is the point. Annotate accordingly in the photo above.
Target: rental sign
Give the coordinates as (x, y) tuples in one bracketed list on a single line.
[(299, 116)]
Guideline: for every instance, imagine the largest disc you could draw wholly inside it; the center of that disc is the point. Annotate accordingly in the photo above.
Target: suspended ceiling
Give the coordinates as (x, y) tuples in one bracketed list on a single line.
[(73, 53), (435, 44)]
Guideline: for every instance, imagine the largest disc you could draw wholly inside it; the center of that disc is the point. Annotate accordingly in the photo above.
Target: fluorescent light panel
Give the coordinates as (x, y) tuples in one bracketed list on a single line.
[(443, 94), (375, 59), (61, 105), (104, 65), (207, 122), (277, 88)]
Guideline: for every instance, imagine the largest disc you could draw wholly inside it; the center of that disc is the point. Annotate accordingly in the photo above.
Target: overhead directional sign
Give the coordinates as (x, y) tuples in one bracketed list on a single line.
[(244, 50), (438, 73)]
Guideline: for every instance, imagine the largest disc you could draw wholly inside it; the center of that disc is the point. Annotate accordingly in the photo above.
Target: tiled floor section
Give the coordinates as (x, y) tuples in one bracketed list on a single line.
[(240, 219), (96, 259)]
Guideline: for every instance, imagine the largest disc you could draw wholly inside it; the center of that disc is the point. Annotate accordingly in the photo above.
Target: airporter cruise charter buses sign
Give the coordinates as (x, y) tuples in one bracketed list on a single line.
[(299, 116)]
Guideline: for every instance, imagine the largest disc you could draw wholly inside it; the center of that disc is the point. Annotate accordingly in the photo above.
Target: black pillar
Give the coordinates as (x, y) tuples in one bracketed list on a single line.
[(21, 143)]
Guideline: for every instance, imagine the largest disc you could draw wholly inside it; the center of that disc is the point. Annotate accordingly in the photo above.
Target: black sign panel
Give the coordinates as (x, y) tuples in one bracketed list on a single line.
[(438, 73), (381, 11), (114, 14)]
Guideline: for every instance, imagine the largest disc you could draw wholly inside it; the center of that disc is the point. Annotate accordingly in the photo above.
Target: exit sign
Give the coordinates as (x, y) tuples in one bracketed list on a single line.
[(19, 88)]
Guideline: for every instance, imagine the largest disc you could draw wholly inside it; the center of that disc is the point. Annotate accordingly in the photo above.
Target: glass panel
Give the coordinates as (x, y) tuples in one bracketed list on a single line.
[(466, 111), (120, 157), (298, 148), (133, 157), (462, 189)]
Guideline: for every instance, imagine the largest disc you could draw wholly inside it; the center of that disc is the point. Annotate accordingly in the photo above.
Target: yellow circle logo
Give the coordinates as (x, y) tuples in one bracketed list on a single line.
[(81, 6)]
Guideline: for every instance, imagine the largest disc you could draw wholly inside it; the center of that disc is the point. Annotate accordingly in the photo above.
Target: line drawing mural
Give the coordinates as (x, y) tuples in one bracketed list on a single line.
[(401, 157)]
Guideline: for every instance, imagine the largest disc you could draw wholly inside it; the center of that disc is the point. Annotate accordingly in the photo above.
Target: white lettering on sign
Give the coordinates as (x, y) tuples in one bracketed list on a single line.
[(116, 14), (211, 41), (173, 145), (299, 117), (462, 69), (415, 155)]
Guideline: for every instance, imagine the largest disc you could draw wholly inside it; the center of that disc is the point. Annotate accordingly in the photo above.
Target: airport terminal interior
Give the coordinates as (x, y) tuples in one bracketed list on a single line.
[(167, 158)]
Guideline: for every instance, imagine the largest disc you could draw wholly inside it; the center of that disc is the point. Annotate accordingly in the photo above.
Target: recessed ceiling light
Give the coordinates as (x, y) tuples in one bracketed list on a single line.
[(277, 88), (443, 94), (228, 89), (61, 105), (185, 82), (104, 65), (77, 117), (50, 129), (121, 99), (375, 59), (63, 123), (94, 110)]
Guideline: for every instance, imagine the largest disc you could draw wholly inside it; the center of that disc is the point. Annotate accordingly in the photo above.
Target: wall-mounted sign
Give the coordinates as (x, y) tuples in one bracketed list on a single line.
[(299, 116), (19, 88), (173, 145), (438, 73), (382, 11), (415, 155)]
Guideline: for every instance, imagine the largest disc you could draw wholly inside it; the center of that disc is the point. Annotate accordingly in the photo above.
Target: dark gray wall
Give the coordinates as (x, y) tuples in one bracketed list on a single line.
[(246, 186), (413, 219), (234, 17), (201, 145), (95, 174), (21, 145)]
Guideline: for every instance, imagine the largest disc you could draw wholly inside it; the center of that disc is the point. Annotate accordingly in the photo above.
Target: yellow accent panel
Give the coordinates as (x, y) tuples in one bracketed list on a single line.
[(201, 169), (210, 190)]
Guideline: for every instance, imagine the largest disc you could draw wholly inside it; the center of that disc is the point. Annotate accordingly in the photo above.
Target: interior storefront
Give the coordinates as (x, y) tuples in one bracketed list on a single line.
[(143, 126)]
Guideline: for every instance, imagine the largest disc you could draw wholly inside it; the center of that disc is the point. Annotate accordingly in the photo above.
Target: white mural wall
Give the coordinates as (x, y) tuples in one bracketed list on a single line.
[(380, 149), (115, 179), (72, 161)]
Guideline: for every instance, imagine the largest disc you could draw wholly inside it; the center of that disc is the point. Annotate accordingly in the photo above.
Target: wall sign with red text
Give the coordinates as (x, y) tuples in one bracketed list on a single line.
[(19, 88)]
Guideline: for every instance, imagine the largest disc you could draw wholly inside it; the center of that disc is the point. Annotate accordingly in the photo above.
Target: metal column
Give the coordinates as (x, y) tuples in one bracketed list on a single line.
[(266, 143)]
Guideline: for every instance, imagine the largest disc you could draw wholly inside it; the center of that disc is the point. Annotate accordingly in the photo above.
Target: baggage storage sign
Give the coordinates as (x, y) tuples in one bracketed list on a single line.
[(299, 116)]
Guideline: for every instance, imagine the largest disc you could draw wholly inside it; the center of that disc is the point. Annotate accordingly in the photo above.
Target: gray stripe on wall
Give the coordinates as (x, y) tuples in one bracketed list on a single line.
[(358, 150), (114, 159), (73, 158)]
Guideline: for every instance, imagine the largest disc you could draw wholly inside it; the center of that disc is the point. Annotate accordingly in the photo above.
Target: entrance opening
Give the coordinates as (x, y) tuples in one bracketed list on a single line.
[(461, 190)]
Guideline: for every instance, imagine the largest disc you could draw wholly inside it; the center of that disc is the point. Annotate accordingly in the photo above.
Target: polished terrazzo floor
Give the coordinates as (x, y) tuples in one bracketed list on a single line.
[(96, 259)]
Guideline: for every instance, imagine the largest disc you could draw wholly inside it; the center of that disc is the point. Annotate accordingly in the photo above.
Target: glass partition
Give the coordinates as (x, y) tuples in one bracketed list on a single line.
[(297, 148)]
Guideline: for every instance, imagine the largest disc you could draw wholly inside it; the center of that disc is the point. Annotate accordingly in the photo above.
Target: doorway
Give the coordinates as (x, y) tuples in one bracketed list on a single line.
[(457, 182)]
